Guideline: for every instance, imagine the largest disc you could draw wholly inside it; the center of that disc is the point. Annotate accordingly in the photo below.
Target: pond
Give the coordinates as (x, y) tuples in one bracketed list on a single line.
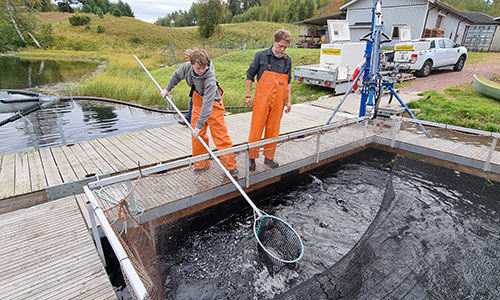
[(22, 73), (416, 232), (75, 121)]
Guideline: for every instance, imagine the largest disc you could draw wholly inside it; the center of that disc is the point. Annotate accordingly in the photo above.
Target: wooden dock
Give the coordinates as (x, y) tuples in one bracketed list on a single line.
[(48, 253), (48, 250), (43, 174)]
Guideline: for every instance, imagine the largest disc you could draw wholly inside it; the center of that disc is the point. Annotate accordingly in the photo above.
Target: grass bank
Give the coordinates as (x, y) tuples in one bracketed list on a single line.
[(460, 106), (124, 79)]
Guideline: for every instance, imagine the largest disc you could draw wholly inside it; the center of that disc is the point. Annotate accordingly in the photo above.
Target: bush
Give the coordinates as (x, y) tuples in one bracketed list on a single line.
[(87, 27), (78, 20), (46, 37), (99, 12), (135, 40), (116, 12), (100, 29)]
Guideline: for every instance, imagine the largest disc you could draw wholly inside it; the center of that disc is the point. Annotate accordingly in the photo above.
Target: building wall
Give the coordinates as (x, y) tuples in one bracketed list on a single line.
[(363, 4), (495, 44), (410, 13), (482, 38), (449, 24)]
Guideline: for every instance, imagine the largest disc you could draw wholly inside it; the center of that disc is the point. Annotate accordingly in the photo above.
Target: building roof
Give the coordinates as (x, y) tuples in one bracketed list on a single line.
[(471, 16), (479, 17), (321, 20)]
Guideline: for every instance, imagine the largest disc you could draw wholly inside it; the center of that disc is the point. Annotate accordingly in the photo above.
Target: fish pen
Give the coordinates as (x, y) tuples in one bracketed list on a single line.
[(376, 218)]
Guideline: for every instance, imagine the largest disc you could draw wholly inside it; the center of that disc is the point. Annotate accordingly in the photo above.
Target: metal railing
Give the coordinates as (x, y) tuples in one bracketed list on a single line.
[(94, 210)]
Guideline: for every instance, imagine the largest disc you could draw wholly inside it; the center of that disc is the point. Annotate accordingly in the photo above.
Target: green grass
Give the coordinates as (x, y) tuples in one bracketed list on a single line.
[(124, 34), (477, 57), (460, 106), (124, 79)]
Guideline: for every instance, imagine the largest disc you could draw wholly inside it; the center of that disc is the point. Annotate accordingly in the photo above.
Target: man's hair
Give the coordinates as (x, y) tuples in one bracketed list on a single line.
[(187, 52), (282, 35), (199, 56)]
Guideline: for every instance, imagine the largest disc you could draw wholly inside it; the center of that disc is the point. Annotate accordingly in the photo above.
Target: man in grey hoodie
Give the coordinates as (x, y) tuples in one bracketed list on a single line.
[(208, 109)]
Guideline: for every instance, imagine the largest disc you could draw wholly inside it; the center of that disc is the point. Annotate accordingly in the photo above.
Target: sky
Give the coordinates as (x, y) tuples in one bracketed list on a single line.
[(151, 10)]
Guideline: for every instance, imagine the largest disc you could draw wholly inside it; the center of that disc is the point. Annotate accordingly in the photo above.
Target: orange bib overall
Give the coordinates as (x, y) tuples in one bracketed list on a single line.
[(218, 130), (270, 96)]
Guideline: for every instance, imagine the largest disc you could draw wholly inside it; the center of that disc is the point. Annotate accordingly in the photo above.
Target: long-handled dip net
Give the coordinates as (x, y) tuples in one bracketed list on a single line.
[(279, 241)]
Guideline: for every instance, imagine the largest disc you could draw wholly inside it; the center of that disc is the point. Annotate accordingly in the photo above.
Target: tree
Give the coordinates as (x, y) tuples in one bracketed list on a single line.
[(235, 7), (16, 23), (494, 9), (209, 14)]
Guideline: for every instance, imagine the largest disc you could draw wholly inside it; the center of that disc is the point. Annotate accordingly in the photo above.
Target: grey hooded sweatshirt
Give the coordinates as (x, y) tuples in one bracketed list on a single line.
[(185, 71)]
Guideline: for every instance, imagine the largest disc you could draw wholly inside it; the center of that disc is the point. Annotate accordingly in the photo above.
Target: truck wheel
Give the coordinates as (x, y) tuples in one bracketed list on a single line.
[(460, 64), (426, 69)]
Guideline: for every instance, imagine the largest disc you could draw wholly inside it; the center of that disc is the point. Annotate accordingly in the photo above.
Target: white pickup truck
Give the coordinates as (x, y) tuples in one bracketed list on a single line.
[(427, 54)]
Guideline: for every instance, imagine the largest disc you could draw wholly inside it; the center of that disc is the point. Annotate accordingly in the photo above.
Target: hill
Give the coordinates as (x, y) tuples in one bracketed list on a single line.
[(125, 34)]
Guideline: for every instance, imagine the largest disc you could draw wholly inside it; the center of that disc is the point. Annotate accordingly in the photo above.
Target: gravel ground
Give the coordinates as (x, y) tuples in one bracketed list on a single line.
[(445, 78)]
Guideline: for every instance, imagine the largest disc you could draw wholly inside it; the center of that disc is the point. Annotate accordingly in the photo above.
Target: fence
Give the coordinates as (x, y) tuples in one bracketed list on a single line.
[(172, 53)]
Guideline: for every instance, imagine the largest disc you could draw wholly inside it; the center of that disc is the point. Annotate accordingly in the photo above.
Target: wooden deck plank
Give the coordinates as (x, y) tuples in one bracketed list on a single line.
[(101, 164), (132, 154), (180, 148), (7, 176), (129, 141), (76, 165), (152, 148), (107, 156), (50, 168), (162, 149), (37, 176), (22, 180), (85, 160), (117, 152), (65, 168), (61, 261)]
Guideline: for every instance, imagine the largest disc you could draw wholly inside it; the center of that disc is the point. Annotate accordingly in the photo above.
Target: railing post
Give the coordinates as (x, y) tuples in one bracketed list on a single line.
[(490, 154), (247, 168), (131, 199), (395, 129), (364, 132), (95, 233), (318, 144)]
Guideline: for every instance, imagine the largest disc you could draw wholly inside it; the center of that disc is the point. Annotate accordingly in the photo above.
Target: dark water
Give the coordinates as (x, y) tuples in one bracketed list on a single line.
[(21, 73), (74, 122), (451, 220)]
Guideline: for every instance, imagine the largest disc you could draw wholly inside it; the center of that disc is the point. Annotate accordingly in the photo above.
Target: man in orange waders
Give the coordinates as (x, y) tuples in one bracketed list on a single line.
[(273, 68), (208, 109)]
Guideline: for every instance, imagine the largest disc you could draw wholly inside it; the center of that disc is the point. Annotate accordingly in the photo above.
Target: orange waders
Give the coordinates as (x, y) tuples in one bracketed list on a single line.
[(218, 130), (270, 96)]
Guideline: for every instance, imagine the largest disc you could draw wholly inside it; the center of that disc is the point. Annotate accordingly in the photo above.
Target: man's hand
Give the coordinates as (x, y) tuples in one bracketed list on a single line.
[(249, 101), (288, 106), (196, 132), (165, 93)]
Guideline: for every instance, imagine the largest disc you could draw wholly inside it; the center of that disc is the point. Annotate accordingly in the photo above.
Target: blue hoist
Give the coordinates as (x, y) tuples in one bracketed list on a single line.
[(374, 83)]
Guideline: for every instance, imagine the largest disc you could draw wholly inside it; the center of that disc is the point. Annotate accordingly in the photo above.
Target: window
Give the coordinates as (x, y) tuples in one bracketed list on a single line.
[(441, 44), (448, 44), (439, 21), (433, 44), (395, 32)]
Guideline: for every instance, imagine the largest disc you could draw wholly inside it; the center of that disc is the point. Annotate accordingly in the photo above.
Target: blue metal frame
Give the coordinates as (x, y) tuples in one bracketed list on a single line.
[(372, 78)]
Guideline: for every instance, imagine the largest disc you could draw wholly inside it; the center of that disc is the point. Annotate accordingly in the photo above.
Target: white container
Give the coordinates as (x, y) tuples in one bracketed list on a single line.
[(342, 56)]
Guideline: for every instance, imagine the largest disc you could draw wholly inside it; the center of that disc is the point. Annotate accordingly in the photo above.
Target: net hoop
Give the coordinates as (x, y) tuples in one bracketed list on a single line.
[(256, 227)]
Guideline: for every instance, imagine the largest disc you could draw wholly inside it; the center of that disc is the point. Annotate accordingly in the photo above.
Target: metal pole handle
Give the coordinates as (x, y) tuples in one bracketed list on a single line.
[(202, 142)]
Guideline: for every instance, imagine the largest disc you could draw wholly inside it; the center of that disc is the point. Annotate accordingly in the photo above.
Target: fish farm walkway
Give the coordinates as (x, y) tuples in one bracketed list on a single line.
[(48, 250)]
